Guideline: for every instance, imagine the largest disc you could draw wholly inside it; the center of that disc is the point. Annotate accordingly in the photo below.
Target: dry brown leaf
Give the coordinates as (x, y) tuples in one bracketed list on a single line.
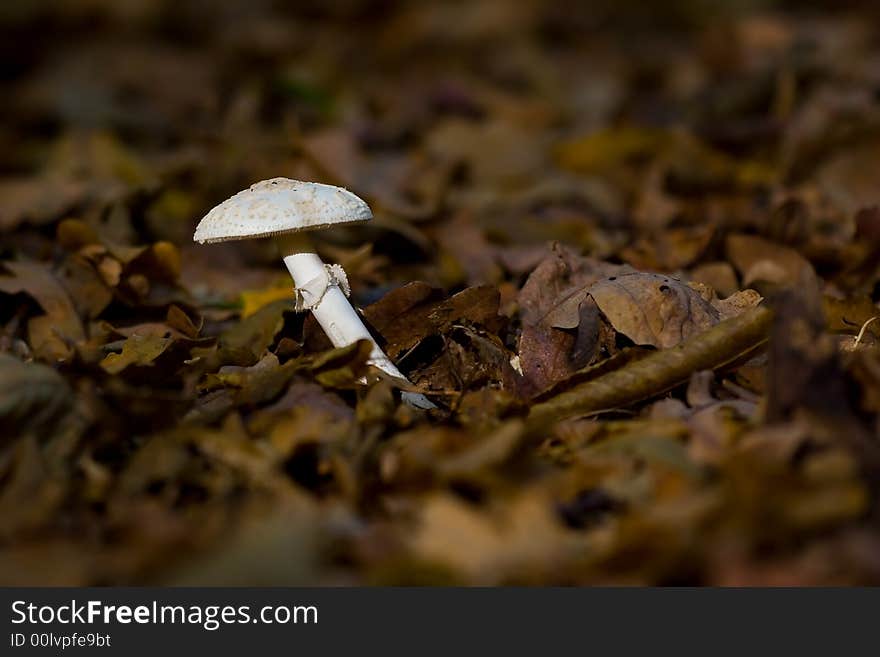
[(759, 260), (139, 349), (660, 371), (517, 542), (51, 334), (651, 309), (413, 312), (37, 200), (545, 351), (89, 291), (400, 317), (248, 339)]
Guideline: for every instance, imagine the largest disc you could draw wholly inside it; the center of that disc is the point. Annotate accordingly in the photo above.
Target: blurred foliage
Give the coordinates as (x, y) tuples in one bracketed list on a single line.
[(631, 250)]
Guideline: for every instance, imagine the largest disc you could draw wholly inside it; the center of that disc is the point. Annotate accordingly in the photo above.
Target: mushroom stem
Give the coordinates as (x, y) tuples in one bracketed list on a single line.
[(332, 309)]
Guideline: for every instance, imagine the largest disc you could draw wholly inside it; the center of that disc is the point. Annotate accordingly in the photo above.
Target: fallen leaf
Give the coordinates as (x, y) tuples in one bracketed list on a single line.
[(179, 320), (248, 340), (652, 309), (136, 350), (718, 346), (253, 300), (37, 200), (545, 350), (760, 260), (50, 334), (413, 312), (400, 316), (608, 148), (493, 548)]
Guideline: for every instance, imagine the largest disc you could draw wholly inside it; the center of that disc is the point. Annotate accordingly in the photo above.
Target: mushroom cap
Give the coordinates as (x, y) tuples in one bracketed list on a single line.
[(280, 205)]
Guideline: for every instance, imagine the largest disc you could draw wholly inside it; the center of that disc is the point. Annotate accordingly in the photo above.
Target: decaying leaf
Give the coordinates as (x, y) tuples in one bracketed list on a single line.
[(253, 300), (652, 309), (136, 350), (414, 312), (32, 397), (522, 542), (37, 200), (544, 350), (760, 260), (649, 309), (654, 374), (51, 334), (250, 338)]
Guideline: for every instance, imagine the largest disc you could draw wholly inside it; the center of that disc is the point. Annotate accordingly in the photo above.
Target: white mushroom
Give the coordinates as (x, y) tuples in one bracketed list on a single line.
[(286, 209)]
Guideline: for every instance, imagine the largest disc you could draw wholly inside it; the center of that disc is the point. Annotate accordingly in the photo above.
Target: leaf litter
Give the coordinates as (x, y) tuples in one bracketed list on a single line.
[(641, 285)]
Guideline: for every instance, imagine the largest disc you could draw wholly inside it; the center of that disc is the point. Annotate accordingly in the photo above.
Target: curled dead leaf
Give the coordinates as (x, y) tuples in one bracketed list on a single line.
[(551, 297), (658, 310), (51, 334), (137, 350)]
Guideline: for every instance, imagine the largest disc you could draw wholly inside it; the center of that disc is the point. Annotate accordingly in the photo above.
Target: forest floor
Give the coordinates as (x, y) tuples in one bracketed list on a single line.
[(632, 255)]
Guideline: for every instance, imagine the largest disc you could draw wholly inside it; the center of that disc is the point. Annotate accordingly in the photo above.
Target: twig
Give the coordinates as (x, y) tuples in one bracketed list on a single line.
[(659, 372)]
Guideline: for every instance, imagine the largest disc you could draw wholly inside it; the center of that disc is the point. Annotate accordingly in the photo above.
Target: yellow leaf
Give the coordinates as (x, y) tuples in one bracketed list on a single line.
[(253, 300), (608, 148), (137, 350)]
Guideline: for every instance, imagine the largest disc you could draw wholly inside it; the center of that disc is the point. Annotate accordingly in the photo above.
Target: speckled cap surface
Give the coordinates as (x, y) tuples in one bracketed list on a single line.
[(280, 205)]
